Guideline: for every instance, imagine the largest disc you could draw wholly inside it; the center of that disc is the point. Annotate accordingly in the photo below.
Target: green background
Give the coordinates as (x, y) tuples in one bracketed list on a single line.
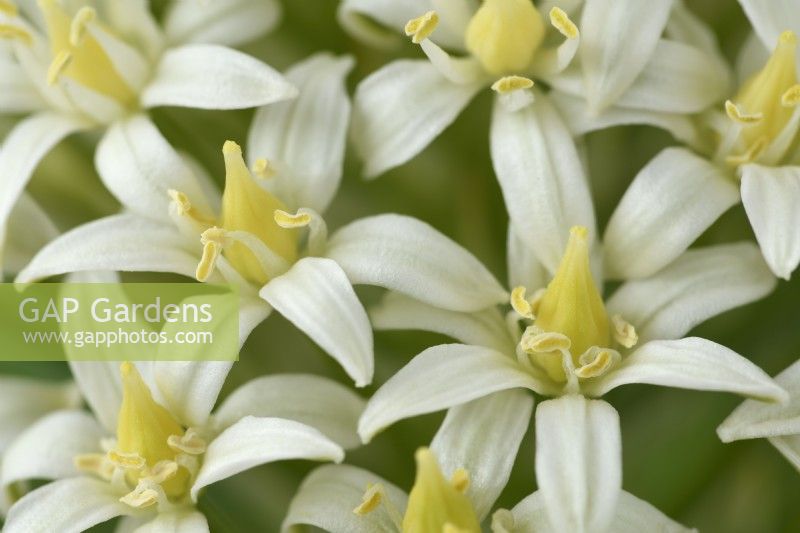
[(672, 456)]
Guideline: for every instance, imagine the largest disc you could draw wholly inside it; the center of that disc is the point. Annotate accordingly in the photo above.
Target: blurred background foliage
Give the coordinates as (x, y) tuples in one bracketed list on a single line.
[(672, 456)]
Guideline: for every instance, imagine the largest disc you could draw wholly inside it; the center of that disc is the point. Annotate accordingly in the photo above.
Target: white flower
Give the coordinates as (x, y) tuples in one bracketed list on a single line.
[(28, 229), (72, 67), (143, 458), (578, 472), (778, 423), (263, 234), (630, 62)]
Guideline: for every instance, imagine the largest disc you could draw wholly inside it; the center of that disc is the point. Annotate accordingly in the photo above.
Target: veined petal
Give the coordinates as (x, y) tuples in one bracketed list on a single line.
[(540, 173), (578, 462), (254, 441), (190, 388), (400, 109), (441, 377), (483, 437), (617, 39), (305, 138), (316, 296), (770, 196), (46, 449), (177, 521), (206, 76), (69, 505), (230, 23), (690, 363), (29, 229), (404, 254), (482, 328), (100, 385), (24, 400), (770, 19), (700, 284), (133, 20), (120, 242), (670, 203), (524, 268), (252, 312), (328, 495), (315, 401)]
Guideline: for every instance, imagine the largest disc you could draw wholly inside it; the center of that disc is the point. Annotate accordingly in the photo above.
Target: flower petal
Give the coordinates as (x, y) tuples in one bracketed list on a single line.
[(29, 229), (17, 93), (254, 441), (409, 256), (691, 363), (68, 505), (524, 268), (328, 495), (769, 19), (230, 23), (483, 437), (315, 401), (618, 38), (101, 386), (578, 462), (400, 109), (305, 137), (441, 377), (482, 328), (190, 388), (206, 76), (770, 196), (670, 203), (540, 173), (702, 283), (178, 521)]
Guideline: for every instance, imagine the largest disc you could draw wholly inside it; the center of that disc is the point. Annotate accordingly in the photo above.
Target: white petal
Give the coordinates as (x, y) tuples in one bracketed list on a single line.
[(101, 386), (46, 450), (24, 400), (441, 377), (29, 229), (482, 328), (483, 437), (252, 312), (17, 93), (305, 137), (178, 521), (329, 494), (691, 363), (68, 506), (543, 183), (670, 203), (770, 196), (754, 419), (752, 57), (23, 148), (228, 23), (524, 268), (315, 401), (206, 76), (409, 256), (578, 462), (120, 242), (702, 283), (139, 166), (316, 296), (133, 20), (190, 388), (789, 446), (254, 441), (771, 18), (617, 39), (400, 109)]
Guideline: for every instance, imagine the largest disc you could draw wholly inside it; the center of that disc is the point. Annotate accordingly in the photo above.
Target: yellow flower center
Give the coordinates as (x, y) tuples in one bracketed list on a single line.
[(79, 56), (505, 34)]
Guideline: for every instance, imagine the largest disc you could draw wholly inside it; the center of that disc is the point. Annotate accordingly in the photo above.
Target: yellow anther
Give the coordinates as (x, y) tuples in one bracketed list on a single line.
[(190, 443), (80, 21), (8, 31), (434, 504), (213, 241), (140, 497), (94, 463), (505, 34), (9, 8), (248, 207), (370, 500), (58, 66), (572, 305), (624, 332), (520, 305), (596, 362), (421, 27), (791, 97), (263, 169), (162, 471), (460, 480), (127, 461), (561, 21), (752, 153), (536, 341), (185, 207), (288, 221), (740, 117), (510, 84)]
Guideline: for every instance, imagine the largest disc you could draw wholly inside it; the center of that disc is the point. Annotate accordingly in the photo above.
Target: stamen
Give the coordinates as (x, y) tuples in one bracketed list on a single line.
[(82, 19), (289, 221), (58, 66), (8, 31), (561, 21), (161, 472), (263, 169), (510, 84), (185, 208), (94, 463), (421, 27), (791, 98), (752, 153), (144, 495), (126, 461), (596, 362), (213, 240), (534, 340), (737, 115), (9, 8), (624, 332), (370, 500), (460, 480), (190, 443), (520, 304)]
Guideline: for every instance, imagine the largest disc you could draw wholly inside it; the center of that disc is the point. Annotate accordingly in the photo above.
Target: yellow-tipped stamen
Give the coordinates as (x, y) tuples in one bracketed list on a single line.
[(289, 221), (370, 500), (596, 362), (162, 471), (572, 305), (141, 497), (624, 332), (504, 35), (94, 463), (561, 21), (534, 340), (263, 169), (185, 208), (8, 31), (211, 250), (460, 480), (60, 63), (248, 207), (190, 443), (126, 461), (80, 21), (791, 98), (740, 117), (752, 153), (421, 27), (434, 503), (7, 7), (509, 84), (520, 305)]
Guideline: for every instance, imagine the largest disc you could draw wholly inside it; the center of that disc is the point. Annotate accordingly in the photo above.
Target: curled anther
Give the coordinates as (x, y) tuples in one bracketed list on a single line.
[(58, 66), (421, 27), (561, 21), (289, 221), (791, 97), (460, 480), (263, 168), (740, 117), (144, 495), (94, 463), (624, 332), (520, 305), (85, 16), (214, 240), (509, 84), (596, 361), (534, 340), (190, 442), (126, 461), (370, 500), (162, 471)]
